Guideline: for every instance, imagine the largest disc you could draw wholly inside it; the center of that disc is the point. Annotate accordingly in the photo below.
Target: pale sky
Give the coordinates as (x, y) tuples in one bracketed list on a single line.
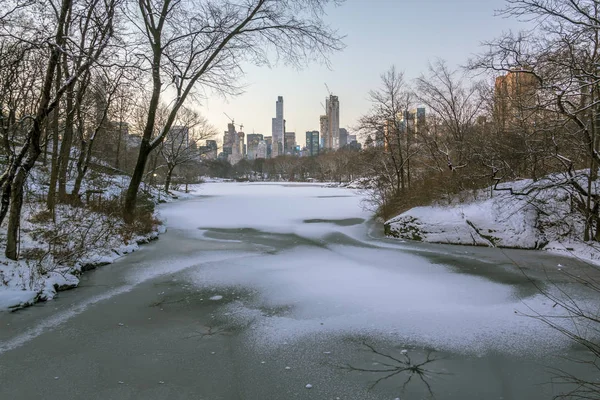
[(379, 33)]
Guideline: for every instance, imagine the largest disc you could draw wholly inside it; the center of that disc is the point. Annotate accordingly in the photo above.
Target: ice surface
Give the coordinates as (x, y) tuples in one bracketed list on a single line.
[(325, 287), (267, 207), (342, 289), (350, 290)]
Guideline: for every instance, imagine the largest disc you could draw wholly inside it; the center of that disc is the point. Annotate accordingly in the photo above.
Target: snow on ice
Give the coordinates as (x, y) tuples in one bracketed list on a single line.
[(335, 287)]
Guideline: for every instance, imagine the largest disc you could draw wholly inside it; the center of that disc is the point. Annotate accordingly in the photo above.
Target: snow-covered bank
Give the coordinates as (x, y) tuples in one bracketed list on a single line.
[(544, 219), (55, 253)]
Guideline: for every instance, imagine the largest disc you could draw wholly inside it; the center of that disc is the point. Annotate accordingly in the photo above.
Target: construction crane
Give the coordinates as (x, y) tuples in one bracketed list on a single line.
[(232, 120), (328, 91)]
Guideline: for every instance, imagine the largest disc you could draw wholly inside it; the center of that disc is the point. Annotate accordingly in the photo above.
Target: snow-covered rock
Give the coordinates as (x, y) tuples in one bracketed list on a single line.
[(545, 218), (495, 222)]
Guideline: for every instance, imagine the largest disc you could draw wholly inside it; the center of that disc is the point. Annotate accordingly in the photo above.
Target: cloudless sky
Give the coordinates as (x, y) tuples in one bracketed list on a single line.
[(379, 33)]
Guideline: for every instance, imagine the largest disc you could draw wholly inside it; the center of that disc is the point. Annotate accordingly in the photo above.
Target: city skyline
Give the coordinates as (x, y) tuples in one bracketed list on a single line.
[(357, 69)]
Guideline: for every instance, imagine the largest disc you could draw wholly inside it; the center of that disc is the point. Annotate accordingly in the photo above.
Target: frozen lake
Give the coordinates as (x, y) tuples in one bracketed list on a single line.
[(258, 290)]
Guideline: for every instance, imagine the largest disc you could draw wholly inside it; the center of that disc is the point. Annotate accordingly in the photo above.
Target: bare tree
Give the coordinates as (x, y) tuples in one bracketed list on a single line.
[(104, 88), (179, 147), (191, 46), (387, 120), (561, 57), (101, 18), (456, 106)]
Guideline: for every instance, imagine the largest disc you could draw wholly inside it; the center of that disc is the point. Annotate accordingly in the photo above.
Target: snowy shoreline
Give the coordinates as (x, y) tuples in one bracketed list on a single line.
[(62, 278), (545, 222), (28, 281)]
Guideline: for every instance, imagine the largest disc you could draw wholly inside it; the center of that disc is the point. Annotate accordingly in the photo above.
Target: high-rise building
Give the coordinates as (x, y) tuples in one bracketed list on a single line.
[(278, 128), (413, 120), (324, 130), (242, 146), (312, 143), (420, 116), (233, 147), (229, 139), (289, 142), (209, 152), (514, 98), (410, 121), (261, 149), (269, 142), (343, 137), (332, 107), (252, 140)]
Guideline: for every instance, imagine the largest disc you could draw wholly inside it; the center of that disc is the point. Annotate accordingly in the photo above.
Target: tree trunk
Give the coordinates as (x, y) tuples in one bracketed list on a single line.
[(16, 197), (7, 181), (14, 217), (83, 163), (5, 199), (118, 153), (145, 146), (81, 168), (51, 201), (33, 144), (136, 179), (47, 129), (168, 179), (65, 147)]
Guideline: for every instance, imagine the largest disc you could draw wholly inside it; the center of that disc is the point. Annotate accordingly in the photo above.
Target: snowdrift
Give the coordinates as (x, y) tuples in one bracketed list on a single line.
[(544, 218)]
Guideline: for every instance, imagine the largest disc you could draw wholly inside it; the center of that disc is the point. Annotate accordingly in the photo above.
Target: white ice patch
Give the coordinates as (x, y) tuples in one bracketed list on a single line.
[(344, 289), (349, 290), (266, 207)]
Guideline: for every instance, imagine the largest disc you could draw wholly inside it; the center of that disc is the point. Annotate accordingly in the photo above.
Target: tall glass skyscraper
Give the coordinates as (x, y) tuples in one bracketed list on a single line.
[(278, 128)]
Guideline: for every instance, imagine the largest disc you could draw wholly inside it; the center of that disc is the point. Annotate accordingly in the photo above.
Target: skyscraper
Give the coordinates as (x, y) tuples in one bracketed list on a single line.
[(312, 143), (289, 142), (343, 137), (332, 107), (241, 136), (229, 139), (253, 139), (269, 142), (278, 128), (261, 149), (514, 98), (324, 129), (209, 152), (233, 147)]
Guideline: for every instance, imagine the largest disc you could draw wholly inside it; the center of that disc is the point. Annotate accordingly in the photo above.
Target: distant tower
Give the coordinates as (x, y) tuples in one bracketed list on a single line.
[(241, 146), (312, 143), (332, 107), (324, 129), (343, 137), (261, 149), (252, 140), (289, 142), (278, 128), (229, 140)]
